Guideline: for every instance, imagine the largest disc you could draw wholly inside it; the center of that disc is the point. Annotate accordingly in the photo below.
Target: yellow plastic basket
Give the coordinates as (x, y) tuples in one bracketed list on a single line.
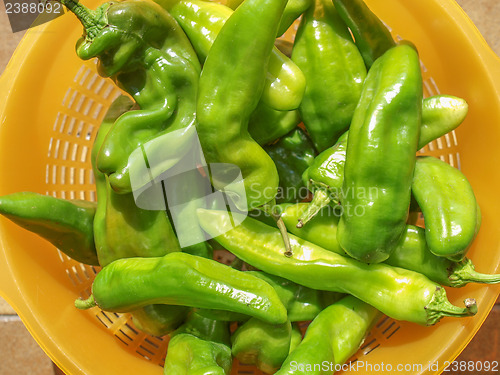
[(51, 108)]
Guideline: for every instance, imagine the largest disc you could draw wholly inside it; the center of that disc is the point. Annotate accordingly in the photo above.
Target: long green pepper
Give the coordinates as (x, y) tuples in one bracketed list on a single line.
[(239, 54), (396, 292), (412, 252), (380, 156), (440, 114)]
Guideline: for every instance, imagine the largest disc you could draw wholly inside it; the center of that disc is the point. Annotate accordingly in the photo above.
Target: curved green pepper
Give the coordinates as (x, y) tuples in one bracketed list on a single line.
[(451, 214), (292, 155), (122, 230), (371, 35), (186, 280), (380, 157), (412, 252), (239, 54), (331, 338), (440, 115), (146, 53), (66, 224), (202, 20), (262, 344), (334, 71), (396, 292)]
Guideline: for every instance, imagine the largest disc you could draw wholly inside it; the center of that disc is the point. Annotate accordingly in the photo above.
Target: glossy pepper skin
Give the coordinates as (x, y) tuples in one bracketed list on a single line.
[(334, 71), (396, 292), (67, 224), (451, 213), (292, 155), (262, 344), (202, 20), (371, 35), (186, 280), (440, 114), (146, 53), (123, 230), (380, 156), (301, 303), (224, 105), (331, 338), (411, 253)]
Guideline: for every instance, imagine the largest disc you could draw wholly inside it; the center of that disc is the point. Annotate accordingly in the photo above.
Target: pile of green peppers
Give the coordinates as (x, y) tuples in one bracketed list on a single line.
[(324, 137)]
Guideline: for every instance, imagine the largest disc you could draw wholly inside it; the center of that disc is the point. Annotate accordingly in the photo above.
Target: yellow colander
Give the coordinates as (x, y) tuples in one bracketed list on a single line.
[(51, 106)]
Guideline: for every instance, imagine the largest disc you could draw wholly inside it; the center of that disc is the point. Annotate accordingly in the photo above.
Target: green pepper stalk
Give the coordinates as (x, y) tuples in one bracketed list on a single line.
[(146, 53), (292, 155), (371, 35), (334, 71), (451, 213), (380, 156), (199, 346), (332, 337), (412, 252), (400, 294), (262, 344), (185, 280), (440, 115), (66, 224), (284, 83)]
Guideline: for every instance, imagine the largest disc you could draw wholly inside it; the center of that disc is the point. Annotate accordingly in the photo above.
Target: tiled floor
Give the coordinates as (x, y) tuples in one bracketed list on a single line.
[(19, 353)]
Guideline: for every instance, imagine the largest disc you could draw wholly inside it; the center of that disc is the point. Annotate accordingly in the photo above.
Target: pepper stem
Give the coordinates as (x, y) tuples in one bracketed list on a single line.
[(84, 304), (320, 199), (439, 307), (273, 210), (92, 21), (464, 272)]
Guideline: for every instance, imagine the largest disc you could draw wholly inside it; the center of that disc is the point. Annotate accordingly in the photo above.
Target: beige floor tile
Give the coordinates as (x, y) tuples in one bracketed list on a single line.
[(19, 353), (5, 308)]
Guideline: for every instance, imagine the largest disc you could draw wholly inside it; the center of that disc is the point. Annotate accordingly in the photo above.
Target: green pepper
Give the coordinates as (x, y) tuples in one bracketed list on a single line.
[(202, 20), (190, 355), (266, 124), (412, 252), (122, 230), (147, 54), (440, 115), (400, 294), (199, 346), (331, 338), (334, 71), (239, 54), (295, 337), (66, 224), (262, 344), (451, 213), (292, 155), (186, 280), (371, 35), (301, 303), (380, 156)]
